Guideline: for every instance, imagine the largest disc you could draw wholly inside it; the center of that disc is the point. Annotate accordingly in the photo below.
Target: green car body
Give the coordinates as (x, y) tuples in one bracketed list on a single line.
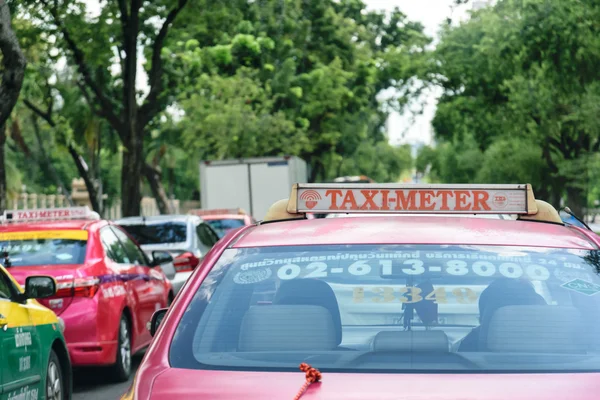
[(34, 361)]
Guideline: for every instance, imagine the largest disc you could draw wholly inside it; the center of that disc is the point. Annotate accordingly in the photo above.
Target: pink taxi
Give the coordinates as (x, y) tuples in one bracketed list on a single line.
[(107, 289), (415, 308)]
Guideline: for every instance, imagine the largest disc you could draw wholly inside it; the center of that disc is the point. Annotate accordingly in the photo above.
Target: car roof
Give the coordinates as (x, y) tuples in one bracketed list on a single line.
[(44, 225), (413, 230), (224, 216), (156, 219)]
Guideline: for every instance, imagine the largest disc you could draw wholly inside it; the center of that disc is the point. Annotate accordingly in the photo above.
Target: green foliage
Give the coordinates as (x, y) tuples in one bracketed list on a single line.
[(231, 117), (513, 161), (301, 80), (243, 79), (381, 162), (520, 80)]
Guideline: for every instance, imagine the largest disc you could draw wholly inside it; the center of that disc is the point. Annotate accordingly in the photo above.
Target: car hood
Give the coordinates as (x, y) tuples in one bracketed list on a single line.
[(220, 385)]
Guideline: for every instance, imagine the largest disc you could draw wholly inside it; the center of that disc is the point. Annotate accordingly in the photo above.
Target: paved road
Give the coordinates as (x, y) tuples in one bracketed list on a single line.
[(92, 384)]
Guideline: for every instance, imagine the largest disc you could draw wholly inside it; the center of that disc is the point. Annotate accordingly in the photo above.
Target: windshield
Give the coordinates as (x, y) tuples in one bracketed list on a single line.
[(395, 308), (18, 249), (222, 226), (168, 232)]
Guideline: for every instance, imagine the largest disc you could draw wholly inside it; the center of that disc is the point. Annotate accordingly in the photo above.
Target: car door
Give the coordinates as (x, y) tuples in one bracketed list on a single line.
[(151, 288), (135, 284), (20, 348)]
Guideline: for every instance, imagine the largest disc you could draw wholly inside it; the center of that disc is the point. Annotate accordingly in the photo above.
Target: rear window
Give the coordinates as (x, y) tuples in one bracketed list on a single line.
[(399, 308), (168, 232), (19, 249), (222, 226)]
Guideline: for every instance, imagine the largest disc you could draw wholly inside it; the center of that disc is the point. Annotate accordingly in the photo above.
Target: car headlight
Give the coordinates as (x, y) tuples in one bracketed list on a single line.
[(61, 325)]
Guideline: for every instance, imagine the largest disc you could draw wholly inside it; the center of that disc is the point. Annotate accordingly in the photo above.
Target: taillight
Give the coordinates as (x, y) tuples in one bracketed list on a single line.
[(80, 287), (186, 262)]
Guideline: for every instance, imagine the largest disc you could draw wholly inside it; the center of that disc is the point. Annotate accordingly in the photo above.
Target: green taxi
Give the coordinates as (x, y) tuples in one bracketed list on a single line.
[(34, 362)]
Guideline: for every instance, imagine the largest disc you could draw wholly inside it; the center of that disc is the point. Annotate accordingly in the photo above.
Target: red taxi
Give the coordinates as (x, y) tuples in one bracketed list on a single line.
[(383, 308), (107, 289), (224, 220)]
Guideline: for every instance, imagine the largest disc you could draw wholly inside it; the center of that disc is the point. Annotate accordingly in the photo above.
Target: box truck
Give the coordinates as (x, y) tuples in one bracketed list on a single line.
[(252, 184)]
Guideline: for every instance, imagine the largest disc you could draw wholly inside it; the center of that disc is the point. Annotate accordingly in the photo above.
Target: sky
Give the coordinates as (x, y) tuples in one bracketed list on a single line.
[(431, 13)]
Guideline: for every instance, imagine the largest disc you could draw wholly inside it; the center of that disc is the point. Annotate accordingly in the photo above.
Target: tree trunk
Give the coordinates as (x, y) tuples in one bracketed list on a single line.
[(131, 173), (317, 170), (89, 184), (13, 72), (576, 200), (3, 186), (153, 177)]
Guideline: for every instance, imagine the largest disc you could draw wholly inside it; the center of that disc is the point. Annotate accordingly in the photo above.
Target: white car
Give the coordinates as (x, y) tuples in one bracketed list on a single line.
[(187, 237)]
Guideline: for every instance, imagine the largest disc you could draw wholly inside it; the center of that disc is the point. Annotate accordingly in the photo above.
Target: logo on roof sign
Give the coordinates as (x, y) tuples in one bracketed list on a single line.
[(500, 200), (311, 198), (581, 286)]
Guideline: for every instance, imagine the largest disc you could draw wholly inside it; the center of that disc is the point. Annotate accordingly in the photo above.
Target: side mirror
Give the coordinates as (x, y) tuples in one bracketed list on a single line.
[(157, 318), (39, 287), (161, 257)]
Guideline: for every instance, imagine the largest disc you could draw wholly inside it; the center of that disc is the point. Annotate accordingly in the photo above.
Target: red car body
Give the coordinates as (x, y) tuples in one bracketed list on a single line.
[(92, 296), (157, 380)]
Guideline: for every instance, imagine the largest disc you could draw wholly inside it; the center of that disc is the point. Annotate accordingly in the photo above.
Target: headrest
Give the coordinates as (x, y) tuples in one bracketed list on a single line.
[(411, 341), (311, 292), (287, 328), (507, 292), (536, 329)]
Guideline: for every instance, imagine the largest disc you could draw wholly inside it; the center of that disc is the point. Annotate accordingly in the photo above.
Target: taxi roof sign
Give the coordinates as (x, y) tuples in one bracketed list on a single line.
[(49, 214), (412, 198)]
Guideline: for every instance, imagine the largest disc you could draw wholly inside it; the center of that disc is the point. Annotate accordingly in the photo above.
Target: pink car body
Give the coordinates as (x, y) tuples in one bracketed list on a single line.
[(157, 380)]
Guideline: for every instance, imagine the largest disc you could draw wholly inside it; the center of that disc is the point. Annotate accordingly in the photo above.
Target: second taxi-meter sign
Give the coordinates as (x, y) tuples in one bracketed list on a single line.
[(467, 199)]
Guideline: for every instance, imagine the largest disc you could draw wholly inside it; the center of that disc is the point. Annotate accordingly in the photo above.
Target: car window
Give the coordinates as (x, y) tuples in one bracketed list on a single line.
[(5, 286), (158, 233), (214, 237), (206, 235), (134, 253), (395, 308), (18, 249), (113, 247), (222, 226)]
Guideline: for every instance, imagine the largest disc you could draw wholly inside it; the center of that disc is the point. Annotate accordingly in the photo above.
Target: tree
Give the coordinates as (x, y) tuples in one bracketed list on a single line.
[(48, 116), (294, 77), (13, 70), (516, 160), (527, 70), (380, 162), (114, 40)]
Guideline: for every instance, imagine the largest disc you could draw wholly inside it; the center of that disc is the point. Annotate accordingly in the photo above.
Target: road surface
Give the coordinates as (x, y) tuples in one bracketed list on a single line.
[(92, 384)]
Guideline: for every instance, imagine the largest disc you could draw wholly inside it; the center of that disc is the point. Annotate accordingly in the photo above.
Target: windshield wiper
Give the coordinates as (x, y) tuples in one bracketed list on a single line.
[(312, 375), (572, 214)]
